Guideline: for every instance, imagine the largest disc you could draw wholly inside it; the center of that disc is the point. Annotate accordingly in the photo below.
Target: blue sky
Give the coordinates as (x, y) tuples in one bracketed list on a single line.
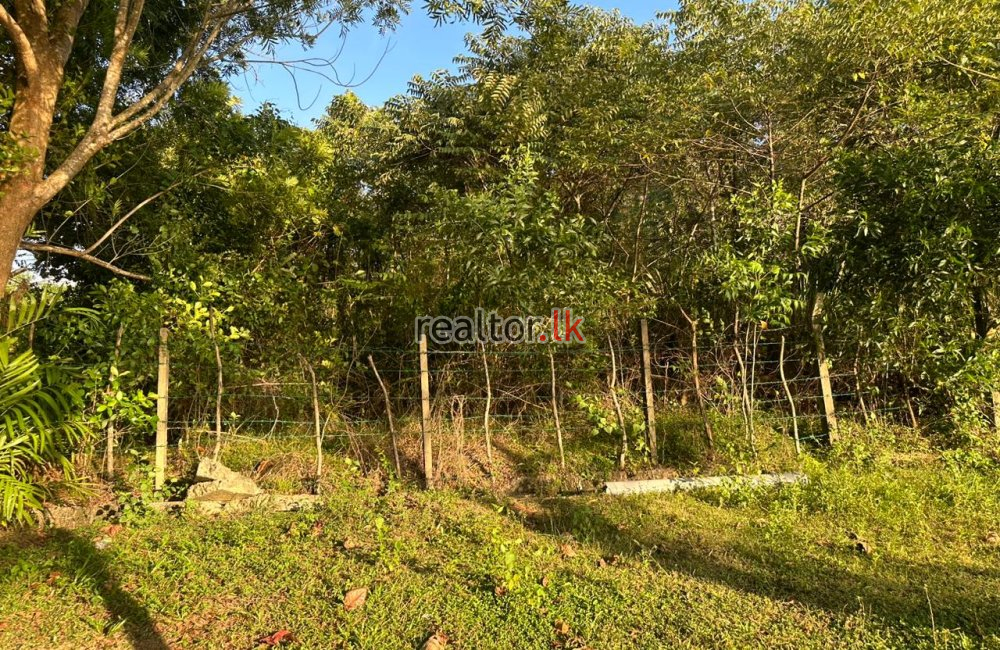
[(416, 47)]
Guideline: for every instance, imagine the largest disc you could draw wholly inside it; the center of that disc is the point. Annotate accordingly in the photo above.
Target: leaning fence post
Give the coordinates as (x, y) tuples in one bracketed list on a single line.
[(829, 408), (425, 413), (647, 377), (388, 412), (162, 390)]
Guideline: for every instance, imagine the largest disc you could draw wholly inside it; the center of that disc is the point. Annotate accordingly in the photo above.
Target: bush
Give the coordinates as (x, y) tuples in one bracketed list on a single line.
[(40, 421)]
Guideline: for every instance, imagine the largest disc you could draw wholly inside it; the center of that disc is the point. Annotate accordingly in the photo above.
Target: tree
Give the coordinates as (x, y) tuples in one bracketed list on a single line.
[(59, 117)]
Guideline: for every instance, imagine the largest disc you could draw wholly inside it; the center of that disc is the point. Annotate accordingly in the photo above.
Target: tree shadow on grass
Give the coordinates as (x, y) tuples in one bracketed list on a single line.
[(894, 590), (73, 554)]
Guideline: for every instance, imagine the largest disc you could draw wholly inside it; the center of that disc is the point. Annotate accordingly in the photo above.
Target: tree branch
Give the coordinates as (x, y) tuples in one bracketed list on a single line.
[(188, 60), (22, 45), (847, 131), (970, 71), (110, 231), (36, 8), (63, 30), (42, 247), (104, 131), (125, 25), (94, 140)]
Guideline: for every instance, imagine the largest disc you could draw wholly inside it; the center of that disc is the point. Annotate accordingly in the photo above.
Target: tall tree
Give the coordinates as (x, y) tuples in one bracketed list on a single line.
[(146, 54)]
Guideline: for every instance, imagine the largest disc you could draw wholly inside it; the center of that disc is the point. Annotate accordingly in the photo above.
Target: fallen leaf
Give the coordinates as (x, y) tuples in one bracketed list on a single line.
[(263, 467), (567, 550), (277, 638), (562, 628), (993, 539), (317, 529), (355, 598), (545, 581), (437, 641), (601, 563), (350, 543), (55, 575), (112, 530)]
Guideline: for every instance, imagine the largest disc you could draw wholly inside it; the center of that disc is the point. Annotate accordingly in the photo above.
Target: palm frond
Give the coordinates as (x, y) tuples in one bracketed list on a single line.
[(39, 414)]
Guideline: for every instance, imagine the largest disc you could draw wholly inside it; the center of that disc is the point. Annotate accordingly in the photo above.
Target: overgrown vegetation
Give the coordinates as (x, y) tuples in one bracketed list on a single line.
[(740, 172), (41, 405), (798, 198)]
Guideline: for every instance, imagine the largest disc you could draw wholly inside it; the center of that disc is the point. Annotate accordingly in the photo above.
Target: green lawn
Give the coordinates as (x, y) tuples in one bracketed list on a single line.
[(730, 569)]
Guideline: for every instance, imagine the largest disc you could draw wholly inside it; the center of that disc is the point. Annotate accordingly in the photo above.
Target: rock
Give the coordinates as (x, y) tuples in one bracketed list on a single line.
[(69, 517), (224, 491), (221, 484), (213, 470), (700, 483), (269, 502), (437, 641), (220, 489)]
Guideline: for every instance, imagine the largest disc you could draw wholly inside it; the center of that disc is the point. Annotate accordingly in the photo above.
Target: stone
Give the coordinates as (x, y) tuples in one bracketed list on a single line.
[(213, 470), (268, 502), (69, 517), (224, 491), (221, 484)]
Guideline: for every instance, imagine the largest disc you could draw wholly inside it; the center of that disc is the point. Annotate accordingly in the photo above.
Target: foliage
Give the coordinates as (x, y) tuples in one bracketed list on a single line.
[(731, 165), (40, 405)]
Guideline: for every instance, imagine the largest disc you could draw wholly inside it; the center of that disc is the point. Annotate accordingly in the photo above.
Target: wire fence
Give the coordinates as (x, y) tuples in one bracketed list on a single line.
[(764, 379)]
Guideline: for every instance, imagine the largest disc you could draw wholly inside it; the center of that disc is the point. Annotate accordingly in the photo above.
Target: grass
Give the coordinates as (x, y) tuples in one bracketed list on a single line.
[(879, 550)]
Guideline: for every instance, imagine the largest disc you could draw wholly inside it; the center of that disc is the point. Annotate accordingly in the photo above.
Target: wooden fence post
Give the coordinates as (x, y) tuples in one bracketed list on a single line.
[(162, 396), (829, 408), (647, 377), (486, 411), (696, 374), (425, 414), (555, 409)]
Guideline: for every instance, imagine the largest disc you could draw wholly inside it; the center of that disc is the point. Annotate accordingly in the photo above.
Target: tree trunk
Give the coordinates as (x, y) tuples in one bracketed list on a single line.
[(12, 219), (788, 394), (18, 201), (35, 94)]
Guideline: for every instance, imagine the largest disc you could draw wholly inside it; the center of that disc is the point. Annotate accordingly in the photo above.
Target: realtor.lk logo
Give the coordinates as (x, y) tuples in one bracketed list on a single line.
[(560, 327)]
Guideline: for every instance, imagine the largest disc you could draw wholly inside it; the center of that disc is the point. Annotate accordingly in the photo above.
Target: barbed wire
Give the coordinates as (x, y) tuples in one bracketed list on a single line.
[(751, 382)]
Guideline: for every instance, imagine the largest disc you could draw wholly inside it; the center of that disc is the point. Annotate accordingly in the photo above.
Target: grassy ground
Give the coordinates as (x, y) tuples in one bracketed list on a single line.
[(878, 550)]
